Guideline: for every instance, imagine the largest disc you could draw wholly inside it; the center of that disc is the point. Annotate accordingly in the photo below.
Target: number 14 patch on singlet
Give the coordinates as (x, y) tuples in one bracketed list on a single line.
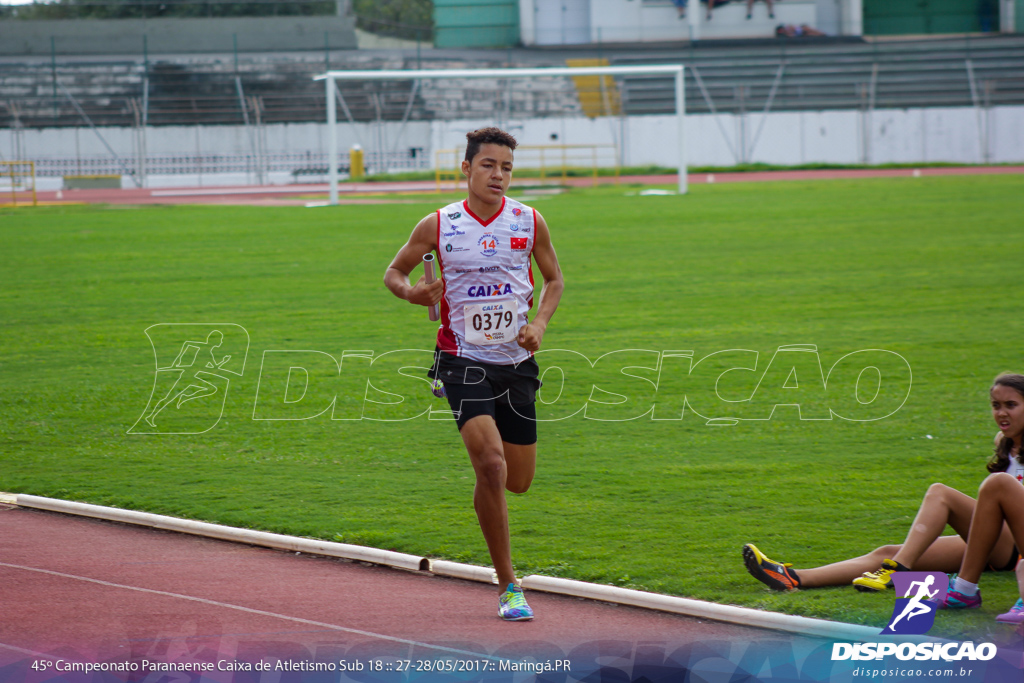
[(493, 322)]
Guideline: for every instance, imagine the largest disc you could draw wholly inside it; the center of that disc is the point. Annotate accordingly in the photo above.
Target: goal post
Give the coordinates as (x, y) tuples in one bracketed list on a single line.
[(331, 78), (18, 183)]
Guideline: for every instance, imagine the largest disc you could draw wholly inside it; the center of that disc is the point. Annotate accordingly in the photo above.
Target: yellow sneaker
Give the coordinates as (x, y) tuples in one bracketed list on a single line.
[(880, 579)]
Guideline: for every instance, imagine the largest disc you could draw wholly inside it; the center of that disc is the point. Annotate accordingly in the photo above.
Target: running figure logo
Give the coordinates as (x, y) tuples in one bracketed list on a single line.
[(914, 613), (194, 364)]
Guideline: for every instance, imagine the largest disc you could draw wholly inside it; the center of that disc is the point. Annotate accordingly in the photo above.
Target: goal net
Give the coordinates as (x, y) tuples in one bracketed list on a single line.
[(568, 119)]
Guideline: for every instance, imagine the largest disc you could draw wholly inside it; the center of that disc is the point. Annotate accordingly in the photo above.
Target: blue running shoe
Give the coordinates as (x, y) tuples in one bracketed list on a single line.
[(512, 605), (954, 599)]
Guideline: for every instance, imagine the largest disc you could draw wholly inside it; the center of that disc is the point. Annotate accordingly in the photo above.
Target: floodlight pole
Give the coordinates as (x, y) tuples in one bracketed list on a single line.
[(332, 141), (676, 70)]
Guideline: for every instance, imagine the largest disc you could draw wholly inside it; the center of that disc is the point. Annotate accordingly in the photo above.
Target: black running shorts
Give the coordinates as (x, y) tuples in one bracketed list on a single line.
[(1011, 565), (505, 392)]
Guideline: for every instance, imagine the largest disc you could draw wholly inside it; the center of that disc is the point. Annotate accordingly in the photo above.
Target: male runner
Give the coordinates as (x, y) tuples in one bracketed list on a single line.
[(486, 342)]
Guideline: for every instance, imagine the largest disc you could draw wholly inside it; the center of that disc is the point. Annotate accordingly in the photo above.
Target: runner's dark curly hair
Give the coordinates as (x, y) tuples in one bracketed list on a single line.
[(484, 136), (1001, 458)]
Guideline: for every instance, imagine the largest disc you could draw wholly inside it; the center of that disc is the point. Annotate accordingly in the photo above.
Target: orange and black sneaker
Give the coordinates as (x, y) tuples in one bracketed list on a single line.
[(776, 575)]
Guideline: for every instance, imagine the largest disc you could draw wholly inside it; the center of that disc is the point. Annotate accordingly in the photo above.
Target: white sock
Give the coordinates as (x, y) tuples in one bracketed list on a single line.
[(965, 587)]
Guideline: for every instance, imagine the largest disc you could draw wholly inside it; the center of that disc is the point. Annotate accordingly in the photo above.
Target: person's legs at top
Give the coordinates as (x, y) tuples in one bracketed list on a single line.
[(771, 8), (1000, 505)]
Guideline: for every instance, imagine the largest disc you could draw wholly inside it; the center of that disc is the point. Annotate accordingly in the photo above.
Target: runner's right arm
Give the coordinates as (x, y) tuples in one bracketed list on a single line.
[(423, 240)]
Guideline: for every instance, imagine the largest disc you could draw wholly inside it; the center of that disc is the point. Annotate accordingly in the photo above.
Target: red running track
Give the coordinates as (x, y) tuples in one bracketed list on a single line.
[(83, 590)]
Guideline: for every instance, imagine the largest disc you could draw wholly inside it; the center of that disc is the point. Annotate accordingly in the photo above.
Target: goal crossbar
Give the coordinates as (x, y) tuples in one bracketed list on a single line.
[(331, 77)]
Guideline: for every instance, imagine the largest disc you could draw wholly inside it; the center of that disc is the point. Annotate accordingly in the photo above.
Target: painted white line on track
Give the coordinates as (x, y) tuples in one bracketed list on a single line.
[(250, 610)]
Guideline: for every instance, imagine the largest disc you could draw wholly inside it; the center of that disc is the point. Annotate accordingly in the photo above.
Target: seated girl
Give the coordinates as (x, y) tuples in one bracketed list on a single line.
[(999, 509)]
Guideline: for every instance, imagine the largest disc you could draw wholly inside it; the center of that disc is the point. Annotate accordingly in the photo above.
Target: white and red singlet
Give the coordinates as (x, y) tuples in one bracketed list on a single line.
[(488, 281)]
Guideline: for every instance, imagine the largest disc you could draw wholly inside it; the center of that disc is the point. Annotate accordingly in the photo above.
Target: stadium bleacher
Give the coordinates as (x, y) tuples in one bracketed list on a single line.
[(726, 77), (828, 75)]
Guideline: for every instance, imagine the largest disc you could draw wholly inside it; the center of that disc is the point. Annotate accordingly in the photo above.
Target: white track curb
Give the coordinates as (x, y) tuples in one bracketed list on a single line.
[(226, 533), (707, 610), (695, 608)]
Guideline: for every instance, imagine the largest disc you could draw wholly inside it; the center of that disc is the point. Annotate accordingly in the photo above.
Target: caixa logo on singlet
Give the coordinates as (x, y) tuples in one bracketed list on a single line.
[(489, 290)]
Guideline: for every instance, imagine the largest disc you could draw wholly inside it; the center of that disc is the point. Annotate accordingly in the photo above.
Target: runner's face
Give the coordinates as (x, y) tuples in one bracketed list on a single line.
[(1008, 411), (490, 172)]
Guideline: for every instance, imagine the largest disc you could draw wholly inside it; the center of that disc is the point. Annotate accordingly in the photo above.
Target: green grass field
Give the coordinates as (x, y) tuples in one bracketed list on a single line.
[(926, 268)]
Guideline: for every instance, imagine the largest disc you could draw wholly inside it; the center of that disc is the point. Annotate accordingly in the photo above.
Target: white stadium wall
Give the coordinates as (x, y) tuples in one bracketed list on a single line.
[(896, 136), (961, 135)]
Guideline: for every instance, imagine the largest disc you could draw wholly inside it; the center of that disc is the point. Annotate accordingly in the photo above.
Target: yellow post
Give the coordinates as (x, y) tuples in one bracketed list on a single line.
[(356, 171)]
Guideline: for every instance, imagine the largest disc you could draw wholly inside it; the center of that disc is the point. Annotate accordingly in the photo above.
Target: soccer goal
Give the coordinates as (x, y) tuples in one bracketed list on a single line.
[(595, 94), (17, 183)]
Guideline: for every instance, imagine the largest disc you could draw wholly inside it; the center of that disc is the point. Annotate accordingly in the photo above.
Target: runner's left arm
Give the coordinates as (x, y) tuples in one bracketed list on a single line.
[(531, 334)]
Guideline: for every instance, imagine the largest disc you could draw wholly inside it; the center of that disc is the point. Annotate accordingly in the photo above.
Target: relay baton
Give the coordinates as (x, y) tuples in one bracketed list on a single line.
[(428, 272)]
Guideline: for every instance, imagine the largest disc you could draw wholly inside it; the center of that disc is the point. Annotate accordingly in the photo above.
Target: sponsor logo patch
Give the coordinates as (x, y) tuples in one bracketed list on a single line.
[(488, 269), (489, 290), (488, 244), (516, 212), (454, 216), (514, 227)]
